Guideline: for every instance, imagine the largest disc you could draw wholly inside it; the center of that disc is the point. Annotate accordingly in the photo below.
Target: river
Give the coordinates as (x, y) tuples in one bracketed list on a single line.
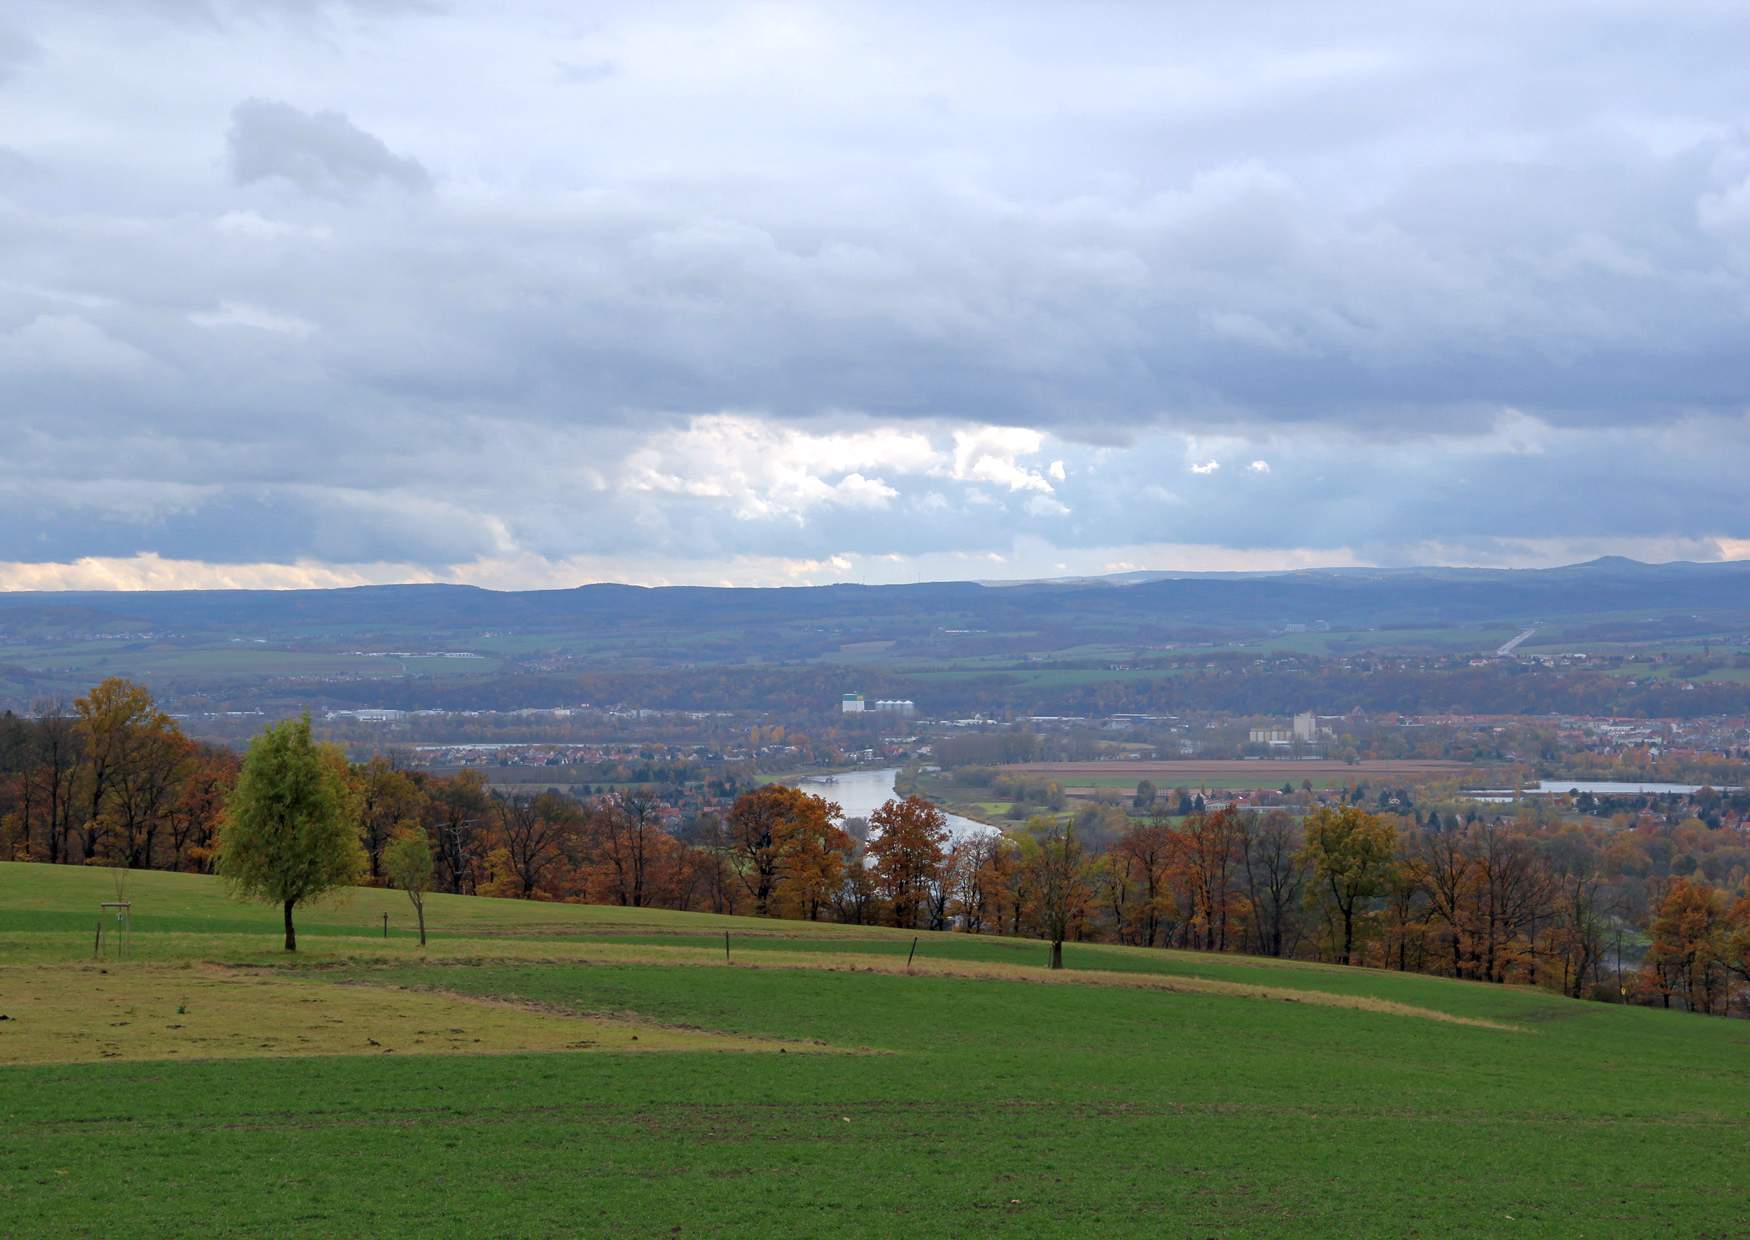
[(861, 793)]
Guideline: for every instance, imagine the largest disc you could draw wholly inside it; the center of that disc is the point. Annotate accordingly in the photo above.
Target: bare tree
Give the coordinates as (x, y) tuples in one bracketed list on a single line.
[(1275, 877), (53, 775), (1059, 882), (459, 806), (534, 831), (625, 829)]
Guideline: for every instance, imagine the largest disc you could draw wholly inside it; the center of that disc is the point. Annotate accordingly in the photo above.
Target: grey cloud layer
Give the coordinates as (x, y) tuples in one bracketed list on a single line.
[(320, 152), (392, 283)]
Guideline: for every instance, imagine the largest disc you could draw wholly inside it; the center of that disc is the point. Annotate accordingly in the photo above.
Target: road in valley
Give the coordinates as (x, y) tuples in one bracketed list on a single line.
[(1513, 645)]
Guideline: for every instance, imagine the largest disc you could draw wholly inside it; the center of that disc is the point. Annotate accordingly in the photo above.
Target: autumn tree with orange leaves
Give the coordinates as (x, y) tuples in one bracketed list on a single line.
[(1203, 854), (1137, 879), (137, 759), (1689, 952), (978, 869), (768, 833), (908, 851)]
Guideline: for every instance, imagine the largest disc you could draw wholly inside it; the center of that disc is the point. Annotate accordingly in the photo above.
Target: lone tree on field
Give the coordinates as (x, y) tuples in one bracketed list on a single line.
[(287, 836), (407, 862)]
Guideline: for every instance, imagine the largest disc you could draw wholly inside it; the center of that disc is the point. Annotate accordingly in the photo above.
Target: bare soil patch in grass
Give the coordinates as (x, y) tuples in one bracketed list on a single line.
[(77, 1014)]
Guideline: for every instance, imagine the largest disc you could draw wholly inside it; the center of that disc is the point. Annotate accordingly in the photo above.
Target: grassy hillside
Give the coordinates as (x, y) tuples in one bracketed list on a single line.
[(547, 1070)]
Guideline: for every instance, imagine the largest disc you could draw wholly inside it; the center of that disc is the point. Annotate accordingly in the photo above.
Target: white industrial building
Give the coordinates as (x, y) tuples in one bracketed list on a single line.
[(1304, 729), (853, 704)]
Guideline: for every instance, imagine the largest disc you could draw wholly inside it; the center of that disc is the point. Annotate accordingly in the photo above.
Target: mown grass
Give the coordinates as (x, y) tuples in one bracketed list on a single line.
[(991, 1104)]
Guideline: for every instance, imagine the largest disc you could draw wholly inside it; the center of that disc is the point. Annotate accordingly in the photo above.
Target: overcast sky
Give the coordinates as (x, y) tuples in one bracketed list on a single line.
[(533, 294)]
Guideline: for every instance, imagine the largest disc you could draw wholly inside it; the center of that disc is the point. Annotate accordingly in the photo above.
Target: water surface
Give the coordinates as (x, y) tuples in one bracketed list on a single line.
[(861, 793)]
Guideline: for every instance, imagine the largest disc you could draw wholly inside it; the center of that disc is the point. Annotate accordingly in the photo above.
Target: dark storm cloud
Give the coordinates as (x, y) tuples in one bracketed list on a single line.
[(319, 152)]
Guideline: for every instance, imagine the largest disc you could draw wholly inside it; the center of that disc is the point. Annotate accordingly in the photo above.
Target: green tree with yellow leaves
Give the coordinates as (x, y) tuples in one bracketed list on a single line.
[(1350, 853), (289, 834)]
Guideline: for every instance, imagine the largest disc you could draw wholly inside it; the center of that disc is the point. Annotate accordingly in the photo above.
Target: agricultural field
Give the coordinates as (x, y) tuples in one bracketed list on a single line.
[(1241, 772), (548, 1069), (74, 667), (1446, 639), (1707, 672)]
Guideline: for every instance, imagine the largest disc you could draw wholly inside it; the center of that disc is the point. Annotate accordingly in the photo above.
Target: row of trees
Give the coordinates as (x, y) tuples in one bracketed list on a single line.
[(1491, 900), (1538, 901), (111, 779)]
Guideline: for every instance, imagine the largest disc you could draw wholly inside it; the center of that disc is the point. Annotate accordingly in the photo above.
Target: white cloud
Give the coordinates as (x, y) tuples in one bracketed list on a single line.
[(149, 571), (992, 454), (856, 491), (1206, 468), (251, 226), (241, 314), (1259, 466), (765, 470)]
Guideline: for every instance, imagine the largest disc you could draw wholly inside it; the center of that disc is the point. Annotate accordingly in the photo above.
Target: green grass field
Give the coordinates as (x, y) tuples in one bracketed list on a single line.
[(559, 1070)]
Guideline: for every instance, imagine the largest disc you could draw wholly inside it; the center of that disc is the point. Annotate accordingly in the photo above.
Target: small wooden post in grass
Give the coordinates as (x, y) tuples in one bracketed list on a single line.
[(911, 953), (726, 947), (385, 925), (97, 947)]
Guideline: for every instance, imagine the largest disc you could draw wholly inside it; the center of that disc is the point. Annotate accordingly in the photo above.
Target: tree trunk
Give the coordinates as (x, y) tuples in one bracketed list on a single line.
[(291, 934), (1348, 936), (420, 909), (1056, 954)]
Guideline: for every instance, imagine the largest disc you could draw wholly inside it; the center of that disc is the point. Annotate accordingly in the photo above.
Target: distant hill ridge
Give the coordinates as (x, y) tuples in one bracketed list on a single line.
[(1611, 585)]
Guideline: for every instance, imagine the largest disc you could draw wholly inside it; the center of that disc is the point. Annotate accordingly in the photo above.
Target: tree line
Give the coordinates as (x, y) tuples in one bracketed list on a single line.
[(1551, 903)]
